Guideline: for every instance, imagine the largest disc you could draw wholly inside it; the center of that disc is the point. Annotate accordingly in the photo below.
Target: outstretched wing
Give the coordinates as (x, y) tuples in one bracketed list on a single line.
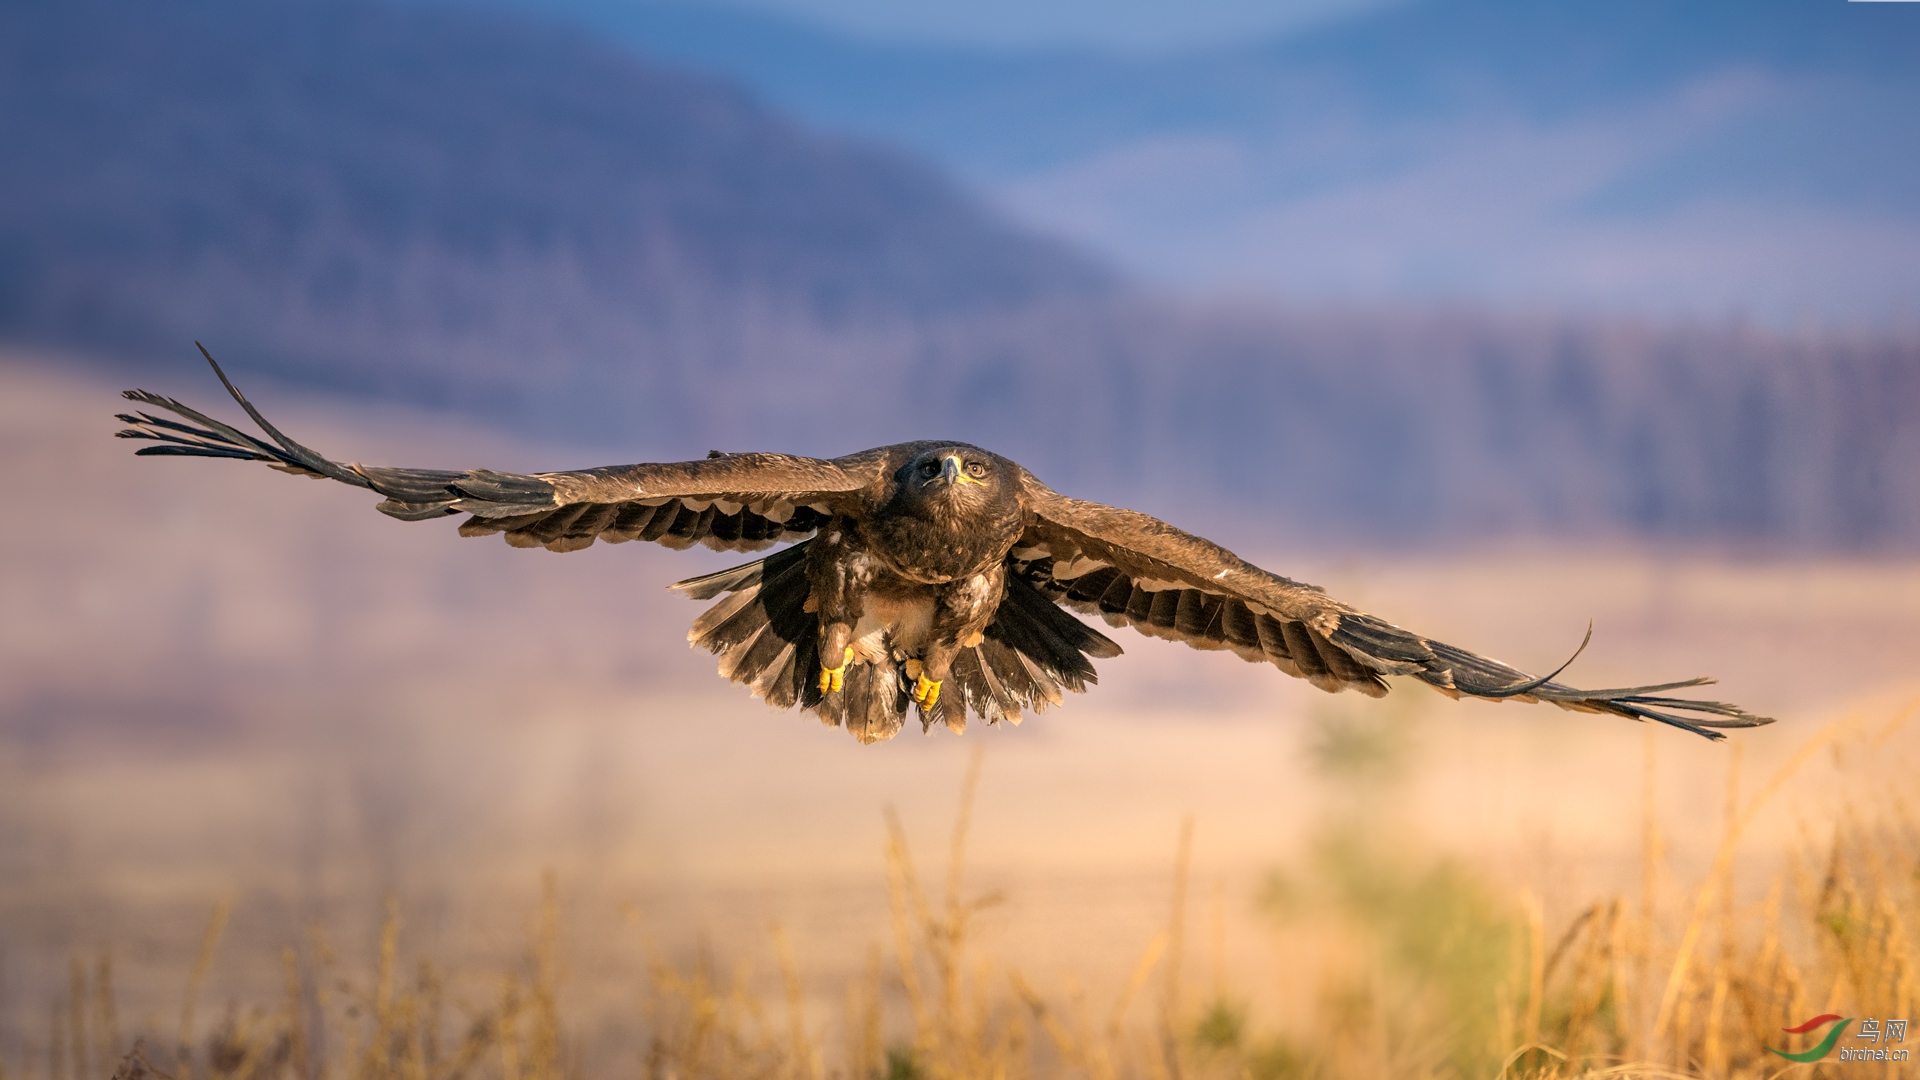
[(734, 502), (1135, 570)]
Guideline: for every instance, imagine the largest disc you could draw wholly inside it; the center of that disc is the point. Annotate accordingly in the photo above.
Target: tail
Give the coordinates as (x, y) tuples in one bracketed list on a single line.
[(767, 640)]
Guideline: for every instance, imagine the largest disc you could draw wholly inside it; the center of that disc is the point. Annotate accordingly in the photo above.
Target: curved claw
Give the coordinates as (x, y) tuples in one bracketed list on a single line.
[(832, 678)]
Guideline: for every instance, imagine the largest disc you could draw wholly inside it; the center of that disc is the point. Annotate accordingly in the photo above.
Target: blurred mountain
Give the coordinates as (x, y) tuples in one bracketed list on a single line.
[(1700, 158), (493, 216), (436, 203)]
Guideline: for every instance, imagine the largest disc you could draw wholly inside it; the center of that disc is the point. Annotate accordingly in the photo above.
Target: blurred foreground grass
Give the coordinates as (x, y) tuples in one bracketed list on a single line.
[(1424, 969)]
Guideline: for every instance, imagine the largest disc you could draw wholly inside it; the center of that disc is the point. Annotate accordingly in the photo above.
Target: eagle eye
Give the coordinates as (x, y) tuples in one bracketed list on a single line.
[(976, 470)]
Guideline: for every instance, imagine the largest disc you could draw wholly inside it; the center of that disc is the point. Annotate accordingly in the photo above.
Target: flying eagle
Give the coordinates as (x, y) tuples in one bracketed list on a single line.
[(926, 573)]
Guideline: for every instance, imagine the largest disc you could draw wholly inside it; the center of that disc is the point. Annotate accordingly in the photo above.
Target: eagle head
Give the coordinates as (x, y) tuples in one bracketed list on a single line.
[(954, 477)]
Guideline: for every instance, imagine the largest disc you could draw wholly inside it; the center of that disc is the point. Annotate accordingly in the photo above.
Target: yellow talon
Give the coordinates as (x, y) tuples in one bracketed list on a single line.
[(831, 678), (926, 691)]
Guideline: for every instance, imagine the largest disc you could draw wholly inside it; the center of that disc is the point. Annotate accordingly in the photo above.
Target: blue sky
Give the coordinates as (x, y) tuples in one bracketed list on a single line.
[(1131, 26)]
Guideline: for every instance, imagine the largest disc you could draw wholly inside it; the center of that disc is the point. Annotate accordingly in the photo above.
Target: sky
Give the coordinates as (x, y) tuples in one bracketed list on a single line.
[(1127, 26)]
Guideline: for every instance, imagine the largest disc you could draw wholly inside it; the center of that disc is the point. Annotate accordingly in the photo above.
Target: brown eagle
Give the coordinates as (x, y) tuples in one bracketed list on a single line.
[(929, 573)]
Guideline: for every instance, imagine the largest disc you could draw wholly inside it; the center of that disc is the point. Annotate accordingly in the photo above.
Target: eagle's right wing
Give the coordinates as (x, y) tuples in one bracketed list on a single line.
[(735, 502), (1135, 570)]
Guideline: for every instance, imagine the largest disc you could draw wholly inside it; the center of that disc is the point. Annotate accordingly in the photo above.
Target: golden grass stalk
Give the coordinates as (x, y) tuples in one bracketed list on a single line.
[(1620, 992), (216, 925)]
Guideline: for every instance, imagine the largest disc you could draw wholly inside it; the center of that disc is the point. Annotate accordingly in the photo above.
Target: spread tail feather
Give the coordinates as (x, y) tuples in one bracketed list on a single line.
[(767, 640)]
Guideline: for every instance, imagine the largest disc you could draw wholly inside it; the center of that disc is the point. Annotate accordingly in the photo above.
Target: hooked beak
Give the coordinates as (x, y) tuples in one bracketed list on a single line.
[(951, 473)]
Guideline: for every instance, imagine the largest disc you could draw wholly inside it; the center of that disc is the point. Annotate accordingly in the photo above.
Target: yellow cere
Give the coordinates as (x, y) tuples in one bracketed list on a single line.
[(960, 471)]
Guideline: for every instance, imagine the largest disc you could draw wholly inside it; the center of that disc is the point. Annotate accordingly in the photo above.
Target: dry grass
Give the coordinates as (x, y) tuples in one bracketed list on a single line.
[(1429, 972)]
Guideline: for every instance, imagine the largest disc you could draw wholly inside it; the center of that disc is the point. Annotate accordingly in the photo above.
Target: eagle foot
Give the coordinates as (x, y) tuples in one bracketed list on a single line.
[(926, 691), (831, 678)]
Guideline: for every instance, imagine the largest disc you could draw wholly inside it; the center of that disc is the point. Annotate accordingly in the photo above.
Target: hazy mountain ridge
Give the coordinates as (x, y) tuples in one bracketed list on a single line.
[(339, 180), (461, 210)]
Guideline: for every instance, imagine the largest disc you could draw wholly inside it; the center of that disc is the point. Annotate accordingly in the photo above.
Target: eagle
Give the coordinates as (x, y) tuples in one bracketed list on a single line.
[(926, 576)]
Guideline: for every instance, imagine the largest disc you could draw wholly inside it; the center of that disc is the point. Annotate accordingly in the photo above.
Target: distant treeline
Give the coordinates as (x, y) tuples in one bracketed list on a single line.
[(1409, 425), (460, 210)]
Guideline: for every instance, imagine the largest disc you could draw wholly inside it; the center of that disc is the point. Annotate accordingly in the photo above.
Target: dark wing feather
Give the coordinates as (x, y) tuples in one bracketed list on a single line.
[(1135, 570), (736, 502)]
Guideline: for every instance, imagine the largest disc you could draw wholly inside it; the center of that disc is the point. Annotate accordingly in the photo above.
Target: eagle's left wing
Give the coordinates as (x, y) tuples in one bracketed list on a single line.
[(735, 502), (1137, 570)]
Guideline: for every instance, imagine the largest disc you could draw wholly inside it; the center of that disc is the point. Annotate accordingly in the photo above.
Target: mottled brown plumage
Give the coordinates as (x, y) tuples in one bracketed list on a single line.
[(925, 574)]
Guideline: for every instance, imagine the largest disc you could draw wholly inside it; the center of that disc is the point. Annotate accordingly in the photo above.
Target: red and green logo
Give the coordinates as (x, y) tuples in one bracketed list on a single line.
[(1826, 1044)]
